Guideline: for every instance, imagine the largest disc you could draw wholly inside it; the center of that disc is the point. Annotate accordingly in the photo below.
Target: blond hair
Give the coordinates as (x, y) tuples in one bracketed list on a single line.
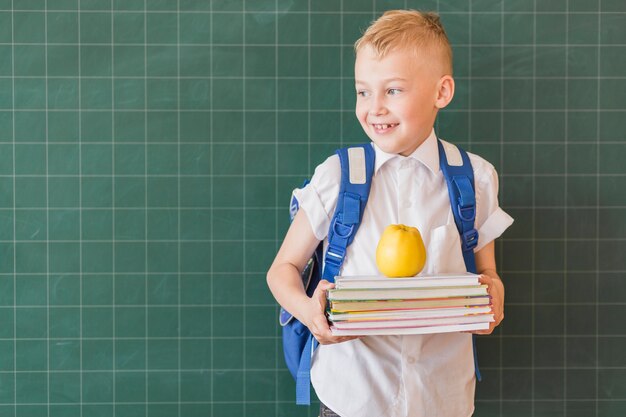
[(412, 29)]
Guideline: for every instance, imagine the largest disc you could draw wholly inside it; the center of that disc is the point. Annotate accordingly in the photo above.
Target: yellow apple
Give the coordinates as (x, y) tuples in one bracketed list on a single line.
[(400, 251)]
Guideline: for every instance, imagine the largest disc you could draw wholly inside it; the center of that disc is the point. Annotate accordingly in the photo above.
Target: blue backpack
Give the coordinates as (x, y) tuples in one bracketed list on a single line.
[(357, 170)]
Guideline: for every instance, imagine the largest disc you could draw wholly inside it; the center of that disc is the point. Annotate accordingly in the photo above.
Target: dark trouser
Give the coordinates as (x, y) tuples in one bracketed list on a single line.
[(327, 412)]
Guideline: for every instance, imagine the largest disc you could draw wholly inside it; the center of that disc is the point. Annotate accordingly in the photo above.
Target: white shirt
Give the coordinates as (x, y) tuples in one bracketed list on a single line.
[(414, 375)]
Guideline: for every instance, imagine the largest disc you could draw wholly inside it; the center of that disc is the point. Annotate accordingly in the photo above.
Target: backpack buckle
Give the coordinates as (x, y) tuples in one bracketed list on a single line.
[(469, 240), (467, 213), (335, 255), (341, 230), (284, 317)]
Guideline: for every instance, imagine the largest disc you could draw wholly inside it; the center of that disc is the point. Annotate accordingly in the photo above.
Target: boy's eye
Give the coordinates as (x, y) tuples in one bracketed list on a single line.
[(362, 93), (393, 91)]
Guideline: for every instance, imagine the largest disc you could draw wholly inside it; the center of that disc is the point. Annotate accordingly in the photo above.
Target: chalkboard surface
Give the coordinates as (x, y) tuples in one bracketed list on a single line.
[(148, 149)]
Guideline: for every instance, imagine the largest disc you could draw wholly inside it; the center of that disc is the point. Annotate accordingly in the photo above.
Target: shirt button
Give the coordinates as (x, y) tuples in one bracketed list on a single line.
[(410, 359)]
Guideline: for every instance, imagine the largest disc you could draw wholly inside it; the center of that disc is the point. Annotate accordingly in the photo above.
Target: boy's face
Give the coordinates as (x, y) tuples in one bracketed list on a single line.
[(397, 98)]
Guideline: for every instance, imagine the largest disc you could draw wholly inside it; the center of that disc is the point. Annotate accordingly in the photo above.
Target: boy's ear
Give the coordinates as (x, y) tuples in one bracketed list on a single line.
[(445, 91)]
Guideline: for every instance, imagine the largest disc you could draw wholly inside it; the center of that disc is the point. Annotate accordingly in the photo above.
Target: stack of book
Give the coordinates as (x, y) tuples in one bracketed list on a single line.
[(360, 306)]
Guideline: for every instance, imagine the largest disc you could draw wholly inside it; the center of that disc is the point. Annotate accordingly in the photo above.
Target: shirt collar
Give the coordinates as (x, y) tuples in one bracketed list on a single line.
[(427, 153)]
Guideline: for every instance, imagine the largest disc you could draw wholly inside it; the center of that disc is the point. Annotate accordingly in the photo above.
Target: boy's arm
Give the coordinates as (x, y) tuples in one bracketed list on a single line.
[(486, 266), (283, 279)]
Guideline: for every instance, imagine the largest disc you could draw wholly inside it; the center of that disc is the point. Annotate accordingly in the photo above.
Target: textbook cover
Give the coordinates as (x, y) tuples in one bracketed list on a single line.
[(414, 293), (374, 305), (410, 330)]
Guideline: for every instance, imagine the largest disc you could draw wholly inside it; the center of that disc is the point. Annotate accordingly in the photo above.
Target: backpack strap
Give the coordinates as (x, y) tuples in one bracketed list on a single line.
[(303, 376), (357, 169), (459, 175), (310, 275)]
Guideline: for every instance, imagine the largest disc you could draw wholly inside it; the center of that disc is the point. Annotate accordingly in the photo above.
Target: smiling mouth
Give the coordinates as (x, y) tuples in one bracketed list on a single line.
[(382, 127)]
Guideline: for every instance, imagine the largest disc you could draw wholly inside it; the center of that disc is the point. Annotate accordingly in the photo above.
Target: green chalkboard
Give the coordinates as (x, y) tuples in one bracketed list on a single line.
[(148, 149)]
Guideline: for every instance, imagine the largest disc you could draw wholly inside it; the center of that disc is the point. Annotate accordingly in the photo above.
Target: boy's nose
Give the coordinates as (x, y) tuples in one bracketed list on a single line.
[(377, 108)]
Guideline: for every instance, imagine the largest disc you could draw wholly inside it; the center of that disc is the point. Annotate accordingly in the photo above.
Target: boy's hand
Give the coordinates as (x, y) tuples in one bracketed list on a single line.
[(496, 290), (315, 319)]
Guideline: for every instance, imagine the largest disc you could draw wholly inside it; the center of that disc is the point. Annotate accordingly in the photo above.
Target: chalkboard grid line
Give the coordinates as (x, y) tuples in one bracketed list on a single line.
[(270, 307), (322, 45), (244, 199), (610, 270), (510, 206), (263, 272), (310, 410), (274, 143), (597, 234), (47, 220), (210, 254), (14, 211), (292, 175), (565, 188), (113, 217), (288, 77), (145, 121), (80, 219), (459, 110), (265, 370), (533, 219), (285, 175), (317, 12), (269, 304)]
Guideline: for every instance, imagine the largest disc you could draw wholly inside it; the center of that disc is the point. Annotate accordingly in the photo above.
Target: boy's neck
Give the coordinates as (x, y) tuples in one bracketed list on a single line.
[(419, 143)]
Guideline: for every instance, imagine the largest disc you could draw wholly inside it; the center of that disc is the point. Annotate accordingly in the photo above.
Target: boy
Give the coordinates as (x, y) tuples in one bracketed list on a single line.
[(403, 76)]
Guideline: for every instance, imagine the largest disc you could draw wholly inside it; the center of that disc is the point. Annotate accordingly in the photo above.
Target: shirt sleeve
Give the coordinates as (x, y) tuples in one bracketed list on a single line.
[(491, 220), (319, 197)]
